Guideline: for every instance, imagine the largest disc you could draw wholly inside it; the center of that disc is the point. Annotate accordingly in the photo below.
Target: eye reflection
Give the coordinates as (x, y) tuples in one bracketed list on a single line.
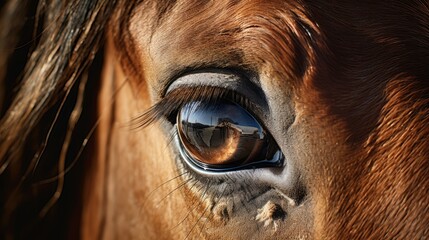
[(224, 136)]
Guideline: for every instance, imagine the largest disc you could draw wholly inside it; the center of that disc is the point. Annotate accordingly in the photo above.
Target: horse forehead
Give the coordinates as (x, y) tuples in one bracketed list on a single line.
[(271, 37)]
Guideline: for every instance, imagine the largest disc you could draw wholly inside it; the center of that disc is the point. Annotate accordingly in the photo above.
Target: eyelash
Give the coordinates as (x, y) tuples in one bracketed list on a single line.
[(169, 106)]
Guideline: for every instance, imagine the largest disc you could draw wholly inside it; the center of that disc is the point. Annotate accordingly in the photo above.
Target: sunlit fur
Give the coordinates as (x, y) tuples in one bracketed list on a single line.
[(347, 84)]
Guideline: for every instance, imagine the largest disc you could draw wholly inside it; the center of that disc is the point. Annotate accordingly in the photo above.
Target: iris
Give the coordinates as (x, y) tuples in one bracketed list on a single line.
[(223, 136)]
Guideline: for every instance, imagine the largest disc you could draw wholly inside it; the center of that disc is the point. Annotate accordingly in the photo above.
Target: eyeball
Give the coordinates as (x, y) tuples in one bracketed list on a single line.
[(223, 136)]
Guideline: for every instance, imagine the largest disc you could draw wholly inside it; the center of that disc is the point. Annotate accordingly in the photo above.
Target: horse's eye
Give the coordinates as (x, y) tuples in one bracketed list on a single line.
[(223, 136)]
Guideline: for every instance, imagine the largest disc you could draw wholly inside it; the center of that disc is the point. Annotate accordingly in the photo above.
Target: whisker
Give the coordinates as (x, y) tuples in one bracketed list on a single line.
[(161, 185), (211, 213), (190, 211), (169, 193), (198, 220)]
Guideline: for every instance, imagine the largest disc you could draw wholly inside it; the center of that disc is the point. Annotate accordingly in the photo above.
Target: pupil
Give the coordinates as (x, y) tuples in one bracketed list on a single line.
[(220, 134)]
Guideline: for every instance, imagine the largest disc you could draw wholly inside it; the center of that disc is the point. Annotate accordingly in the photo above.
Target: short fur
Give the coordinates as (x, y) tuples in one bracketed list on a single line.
[(347, 84)]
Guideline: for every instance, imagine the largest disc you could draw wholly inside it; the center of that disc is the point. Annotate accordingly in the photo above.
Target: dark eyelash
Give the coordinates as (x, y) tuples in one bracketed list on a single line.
[(175, 99)]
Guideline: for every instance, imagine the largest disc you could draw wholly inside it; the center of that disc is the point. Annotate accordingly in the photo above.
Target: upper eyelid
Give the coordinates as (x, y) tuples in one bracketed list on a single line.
[(238, 73), (223, 79), (206, 79)]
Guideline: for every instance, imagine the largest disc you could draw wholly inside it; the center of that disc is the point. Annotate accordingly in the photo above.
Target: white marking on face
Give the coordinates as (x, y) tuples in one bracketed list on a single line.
[(270, 213)]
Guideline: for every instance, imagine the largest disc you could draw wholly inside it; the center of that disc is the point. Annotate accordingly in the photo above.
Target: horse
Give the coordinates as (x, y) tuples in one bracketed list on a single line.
[(232, 119)]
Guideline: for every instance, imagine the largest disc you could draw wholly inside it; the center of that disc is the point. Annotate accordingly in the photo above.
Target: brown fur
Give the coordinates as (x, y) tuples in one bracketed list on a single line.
[(347, 85)]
